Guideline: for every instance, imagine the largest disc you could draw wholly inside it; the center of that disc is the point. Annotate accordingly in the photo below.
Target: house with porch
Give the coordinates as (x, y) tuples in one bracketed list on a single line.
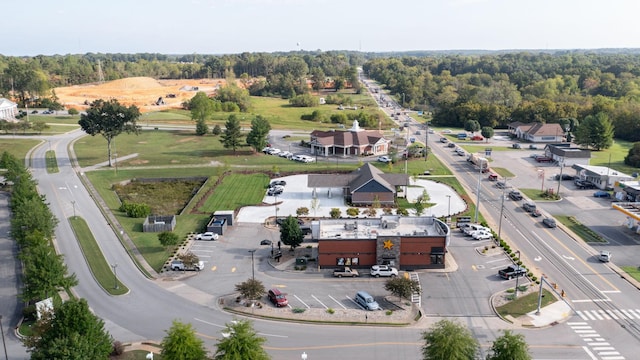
[(8, 110), (355, 141), (362, 187), (537, 132)]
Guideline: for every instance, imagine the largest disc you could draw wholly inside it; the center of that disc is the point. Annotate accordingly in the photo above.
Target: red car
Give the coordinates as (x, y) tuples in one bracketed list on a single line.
[(477, 138)]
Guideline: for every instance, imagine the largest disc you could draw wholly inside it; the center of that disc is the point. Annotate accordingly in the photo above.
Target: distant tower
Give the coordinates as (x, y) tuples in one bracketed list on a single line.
[(100, 74)]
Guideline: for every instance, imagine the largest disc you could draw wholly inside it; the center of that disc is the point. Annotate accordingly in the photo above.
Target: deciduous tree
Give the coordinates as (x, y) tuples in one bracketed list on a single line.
[(510, 346), (240, 341), (448, 340), (487, 132), (402, 287), (109, 119), (290, 232), (251, 289), (181, 343), (72, 332)]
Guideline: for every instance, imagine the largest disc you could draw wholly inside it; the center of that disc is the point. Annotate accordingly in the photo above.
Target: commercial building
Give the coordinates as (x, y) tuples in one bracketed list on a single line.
[(8, 110), (537, 132), (355, 141), (407, 243), (601, 176)]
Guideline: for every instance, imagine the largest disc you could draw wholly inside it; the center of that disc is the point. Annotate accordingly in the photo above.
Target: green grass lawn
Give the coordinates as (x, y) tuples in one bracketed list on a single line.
[(503, 172), (614, 157), (99, 266), (634, 271), (525, 304), (18, 146), (52, 163), (579, 229)]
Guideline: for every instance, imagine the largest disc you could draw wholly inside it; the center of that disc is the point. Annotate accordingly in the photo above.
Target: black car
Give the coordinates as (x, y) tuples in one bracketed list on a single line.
[(582, 184), (451, 145), (277, 182), (281, 220), (265, 242), (549, 222), (275, 191), (564, 177), (515, 195)]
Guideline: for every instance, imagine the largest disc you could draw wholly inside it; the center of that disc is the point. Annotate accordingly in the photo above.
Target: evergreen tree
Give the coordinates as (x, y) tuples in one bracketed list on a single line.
[(595, 131), (231, 135), (257, 137)]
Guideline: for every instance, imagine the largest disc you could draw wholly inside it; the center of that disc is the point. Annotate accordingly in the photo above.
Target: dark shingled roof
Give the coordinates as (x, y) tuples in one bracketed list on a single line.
[(358, 178)]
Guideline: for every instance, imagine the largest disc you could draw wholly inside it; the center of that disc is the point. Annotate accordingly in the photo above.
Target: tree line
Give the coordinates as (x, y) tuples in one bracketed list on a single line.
[(496, 89)]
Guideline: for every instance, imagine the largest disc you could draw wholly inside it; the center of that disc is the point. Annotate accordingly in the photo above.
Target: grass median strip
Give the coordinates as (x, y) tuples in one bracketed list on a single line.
[(579, 229), (98, 265)]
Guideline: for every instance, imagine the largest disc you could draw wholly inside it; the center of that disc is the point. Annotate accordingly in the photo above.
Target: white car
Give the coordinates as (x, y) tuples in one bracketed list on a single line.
[(383, 270), (384, 159), (207, 236), (274, 151), (482, 235), (284, 154)]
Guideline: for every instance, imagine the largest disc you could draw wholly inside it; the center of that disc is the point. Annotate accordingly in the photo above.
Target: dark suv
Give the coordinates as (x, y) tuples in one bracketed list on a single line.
[(582, 184), (515, 195)]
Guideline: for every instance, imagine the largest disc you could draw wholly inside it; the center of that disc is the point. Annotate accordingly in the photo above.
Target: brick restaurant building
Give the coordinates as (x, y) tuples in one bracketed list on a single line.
[(408, 243)]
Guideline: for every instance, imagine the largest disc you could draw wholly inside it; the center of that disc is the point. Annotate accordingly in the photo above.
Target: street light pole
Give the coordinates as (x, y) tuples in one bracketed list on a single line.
[(4, 344), (560, 179), (73, 202), (253, 271), (114, 266), (449, 207), (501, 212), (478, 200), (517, 276)]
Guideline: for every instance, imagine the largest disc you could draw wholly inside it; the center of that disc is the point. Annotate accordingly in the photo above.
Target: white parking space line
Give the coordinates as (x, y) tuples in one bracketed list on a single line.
[(318, 300), (337, 302), (303, 303)]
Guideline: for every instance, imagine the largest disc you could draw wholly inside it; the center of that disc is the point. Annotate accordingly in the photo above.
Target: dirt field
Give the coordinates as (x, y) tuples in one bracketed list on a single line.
[(140, 91)]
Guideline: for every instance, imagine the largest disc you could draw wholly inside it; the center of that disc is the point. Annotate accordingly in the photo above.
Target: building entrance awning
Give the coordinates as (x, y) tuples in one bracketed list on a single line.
[(630, 209)]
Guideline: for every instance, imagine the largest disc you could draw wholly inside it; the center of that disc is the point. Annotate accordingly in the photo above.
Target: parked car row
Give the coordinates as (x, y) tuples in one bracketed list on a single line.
[(288, 155)]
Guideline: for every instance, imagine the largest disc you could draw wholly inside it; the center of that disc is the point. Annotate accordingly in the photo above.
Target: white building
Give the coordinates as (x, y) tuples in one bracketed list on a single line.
[(8, 110)]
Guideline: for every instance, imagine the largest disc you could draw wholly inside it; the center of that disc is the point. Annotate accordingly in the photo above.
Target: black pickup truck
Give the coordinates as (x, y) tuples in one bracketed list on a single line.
[(512, 271)]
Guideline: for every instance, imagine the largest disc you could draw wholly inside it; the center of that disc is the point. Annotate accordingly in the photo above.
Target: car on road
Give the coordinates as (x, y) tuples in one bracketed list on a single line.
[(47, 112), (601, 194), (477, 138), (277, 298), (516, 146), (446, 131), (266, 242), (482, 235), (460, 152), (444, 140), (383, 270), (515, 195), (549, 222), (384, 159), (536, 213), (451, 145), (604, 256), (207, 236), (501, 184), (529, 206)]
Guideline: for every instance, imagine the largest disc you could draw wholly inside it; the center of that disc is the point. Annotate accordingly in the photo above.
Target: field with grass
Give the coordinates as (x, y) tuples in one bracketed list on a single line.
[(525, 304), (18, 146), (581, 230), (614, 157)]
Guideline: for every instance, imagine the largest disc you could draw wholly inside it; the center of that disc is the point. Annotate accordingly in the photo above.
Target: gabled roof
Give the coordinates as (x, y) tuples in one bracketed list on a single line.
[(537, 129), (358, 178)]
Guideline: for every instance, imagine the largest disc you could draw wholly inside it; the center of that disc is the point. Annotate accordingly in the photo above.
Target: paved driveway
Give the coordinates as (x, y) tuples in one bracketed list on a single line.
[(297, 194)]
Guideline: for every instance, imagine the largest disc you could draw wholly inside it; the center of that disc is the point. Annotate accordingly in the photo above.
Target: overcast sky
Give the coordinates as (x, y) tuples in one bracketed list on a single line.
[(233, 26)]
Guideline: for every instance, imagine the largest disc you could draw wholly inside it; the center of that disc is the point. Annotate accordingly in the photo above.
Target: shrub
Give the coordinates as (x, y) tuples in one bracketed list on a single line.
[(389, 312), (73, 111), (331, 311), (335, 213), (353, 212), (302, 211), (118, 348), (298, 310), (135, 210)]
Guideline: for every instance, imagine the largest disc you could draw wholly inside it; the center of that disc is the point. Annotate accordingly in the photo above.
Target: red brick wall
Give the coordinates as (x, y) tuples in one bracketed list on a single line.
[(416, 251), (329, 250)]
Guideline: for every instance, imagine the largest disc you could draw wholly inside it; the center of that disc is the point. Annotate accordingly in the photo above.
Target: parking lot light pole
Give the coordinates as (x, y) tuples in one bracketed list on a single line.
[(560, 180), (74, 208), (253, 271), (515, 294), (501, 211), (449, 207)]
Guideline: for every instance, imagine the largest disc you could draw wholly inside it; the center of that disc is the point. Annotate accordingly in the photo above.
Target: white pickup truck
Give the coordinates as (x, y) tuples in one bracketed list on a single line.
[(179, 265)]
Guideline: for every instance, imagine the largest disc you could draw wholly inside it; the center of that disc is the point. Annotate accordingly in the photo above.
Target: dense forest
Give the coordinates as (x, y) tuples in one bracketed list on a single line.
[(492, 88)]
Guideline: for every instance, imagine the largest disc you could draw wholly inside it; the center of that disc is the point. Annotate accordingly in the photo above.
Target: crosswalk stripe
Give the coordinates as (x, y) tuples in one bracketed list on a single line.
[(633, 312), (612, 314), (604, 314)]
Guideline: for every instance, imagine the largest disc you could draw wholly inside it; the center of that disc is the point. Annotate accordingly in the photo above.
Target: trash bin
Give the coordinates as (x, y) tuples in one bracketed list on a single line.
[(301, 261)]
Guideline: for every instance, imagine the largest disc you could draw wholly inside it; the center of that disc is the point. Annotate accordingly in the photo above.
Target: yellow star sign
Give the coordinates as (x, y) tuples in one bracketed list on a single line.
[(388, 244)]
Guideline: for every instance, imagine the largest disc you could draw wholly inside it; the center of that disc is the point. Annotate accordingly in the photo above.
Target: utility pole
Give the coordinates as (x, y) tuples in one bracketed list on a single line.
[(478, 200)]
